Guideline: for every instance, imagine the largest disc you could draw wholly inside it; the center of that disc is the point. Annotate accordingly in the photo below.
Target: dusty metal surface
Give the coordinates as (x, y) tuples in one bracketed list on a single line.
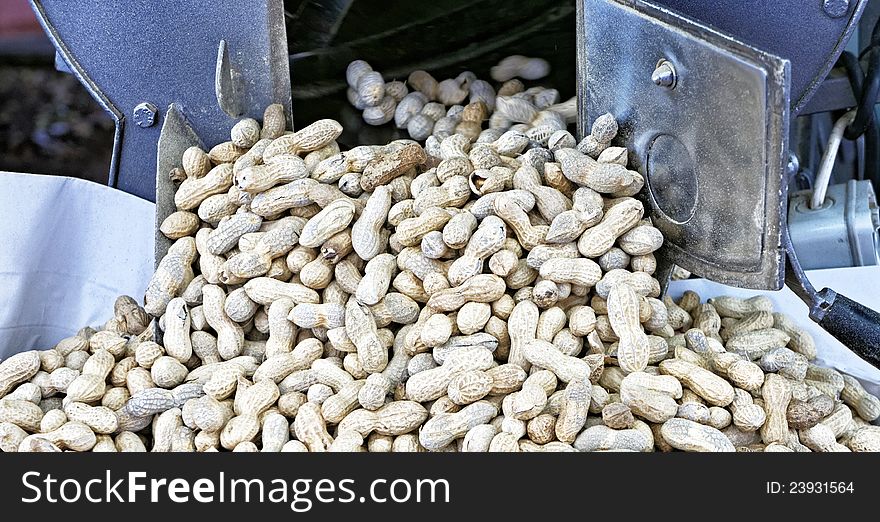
[(834, 93), (713, 149), (131, 53), (810, 34), (175, 137)]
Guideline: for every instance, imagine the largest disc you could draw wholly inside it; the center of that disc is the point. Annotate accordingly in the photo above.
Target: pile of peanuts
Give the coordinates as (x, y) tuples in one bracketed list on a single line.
[(481, 295), (435, 109)]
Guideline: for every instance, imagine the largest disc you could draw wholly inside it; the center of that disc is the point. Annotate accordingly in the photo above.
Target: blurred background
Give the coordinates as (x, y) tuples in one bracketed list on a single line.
[(49, 124)]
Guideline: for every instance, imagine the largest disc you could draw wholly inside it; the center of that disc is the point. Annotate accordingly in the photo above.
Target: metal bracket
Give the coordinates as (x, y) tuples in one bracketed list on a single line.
[(176, 136), (129, 54), (712, 145), (803, 32), (818, 302)]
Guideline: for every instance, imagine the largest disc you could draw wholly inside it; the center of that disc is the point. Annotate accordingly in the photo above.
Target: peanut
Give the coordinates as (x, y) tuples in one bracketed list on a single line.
[(170, 276), (632, 349), (360, 326), (776, 394), (712, 388), (307, 139), (282, 329), (603, 438), (17, 369), (442, 429), (855, 396), (366, 232), (651, 396), (687, 435)]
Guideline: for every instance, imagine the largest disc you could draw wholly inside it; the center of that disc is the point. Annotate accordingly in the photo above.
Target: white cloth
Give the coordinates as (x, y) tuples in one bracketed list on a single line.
[(69, 248)]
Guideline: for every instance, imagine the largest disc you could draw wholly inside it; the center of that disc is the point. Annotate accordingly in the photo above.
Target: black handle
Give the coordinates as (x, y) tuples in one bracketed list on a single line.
[(855, 325)]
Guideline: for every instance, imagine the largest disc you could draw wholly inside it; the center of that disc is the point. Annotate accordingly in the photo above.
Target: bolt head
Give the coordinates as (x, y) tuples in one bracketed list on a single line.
[(794, 164), (835, 8), (145, 114), (664, 74)]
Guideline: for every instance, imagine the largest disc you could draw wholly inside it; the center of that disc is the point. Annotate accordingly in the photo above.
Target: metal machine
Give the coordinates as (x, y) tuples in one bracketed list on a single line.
[(215, 64), (711, 98), (705, 104)]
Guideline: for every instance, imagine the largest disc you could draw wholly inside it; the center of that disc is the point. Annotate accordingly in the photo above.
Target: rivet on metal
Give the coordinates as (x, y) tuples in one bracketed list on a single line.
[(145, 114), (794, 165), (664, 74), (835, 8)]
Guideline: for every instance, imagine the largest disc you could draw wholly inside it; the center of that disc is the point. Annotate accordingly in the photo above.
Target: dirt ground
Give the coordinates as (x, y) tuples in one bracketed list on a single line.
[(49, 124)]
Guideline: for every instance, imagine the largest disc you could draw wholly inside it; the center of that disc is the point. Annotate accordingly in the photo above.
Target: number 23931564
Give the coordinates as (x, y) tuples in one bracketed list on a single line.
[(808, 487)]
